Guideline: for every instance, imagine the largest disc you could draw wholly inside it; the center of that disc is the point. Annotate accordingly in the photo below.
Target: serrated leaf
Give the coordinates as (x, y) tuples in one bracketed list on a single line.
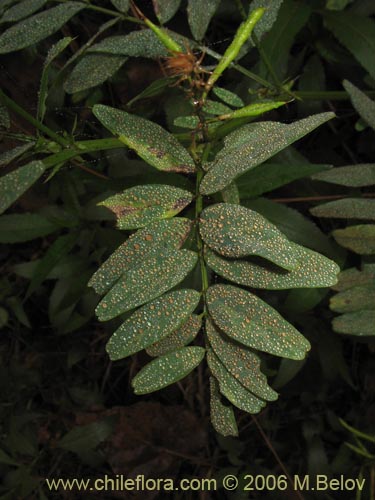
[(252, 145), (146, 282), (152, 322), (231, 388), (121, 5), (313, 271), (228, 97), (353, 277), (358, 298), (93, 70), (167, 369), (356, 33), (248, 320), (270, 176), (16, 228), (140, 205), (359, 175), (37, 27), (359, 239), (236, 231), (147, 242), (21, 10), (241, 362), (151, 142), (180, 337), (347, 208), (199, 16), (13, 154), (363, 104), (360, 323), (222, 417), (165, 9), (14, 184)]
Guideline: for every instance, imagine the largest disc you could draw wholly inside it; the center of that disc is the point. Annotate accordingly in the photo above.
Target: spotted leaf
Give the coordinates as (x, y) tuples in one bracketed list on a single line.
[(248, 320), (167, 369), (222, 416), (235, 231), (347, 208), (181, 336), (143, 283), (152, 322), (149, 241), (359, 175), (252, 145), (151, 142), (140, 205)]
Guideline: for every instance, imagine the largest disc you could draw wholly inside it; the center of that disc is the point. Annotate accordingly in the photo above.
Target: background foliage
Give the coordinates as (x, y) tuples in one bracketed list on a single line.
[(67, 409)]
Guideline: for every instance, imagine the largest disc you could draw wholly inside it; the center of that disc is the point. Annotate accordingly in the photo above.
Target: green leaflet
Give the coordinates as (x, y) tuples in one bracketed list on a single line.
[(313, 271), (14, 184), (149, 280), (216, 108), (147, 242), (92, 70), (351, 175), (363, 104), (236, 231), (230, 194), (347, 208), (271, 11), (241, 362), (151, 142), (269, 176), (152, 322), (84, 438), (356, 33), (37, 27), (359, 239), (180, 337), (228, 97), (21, 10), (357, 298), (167, 369), (360, 323), (166, 9), (13, 154), (353, 277), (252, 145), (250, 321), (138, 206), (16, 228), (121, 5), (199, 16), (231, 388), (254, 109), (222, 416)]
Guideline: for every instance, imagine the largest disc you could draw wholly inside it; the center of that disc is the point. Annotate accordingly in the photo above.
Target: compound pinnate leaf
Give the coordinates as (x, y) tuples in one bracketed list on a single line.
[(360, 323), (222, 416), (147, 242), (180, 337), (167, 369), (313, 271), (243, 364), (363, 104), (21, 10), (357, 298), (14, 184), (347, 208), (151, 142), (92, 70), (350, 175), (356, 33), (250, 321), (360, 239), (37, 27), (165, 9), (233, 390), (15, 228), (252, 145), (152, 322), (199, 16), (138, 206), (149, 280), (235, 231)]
